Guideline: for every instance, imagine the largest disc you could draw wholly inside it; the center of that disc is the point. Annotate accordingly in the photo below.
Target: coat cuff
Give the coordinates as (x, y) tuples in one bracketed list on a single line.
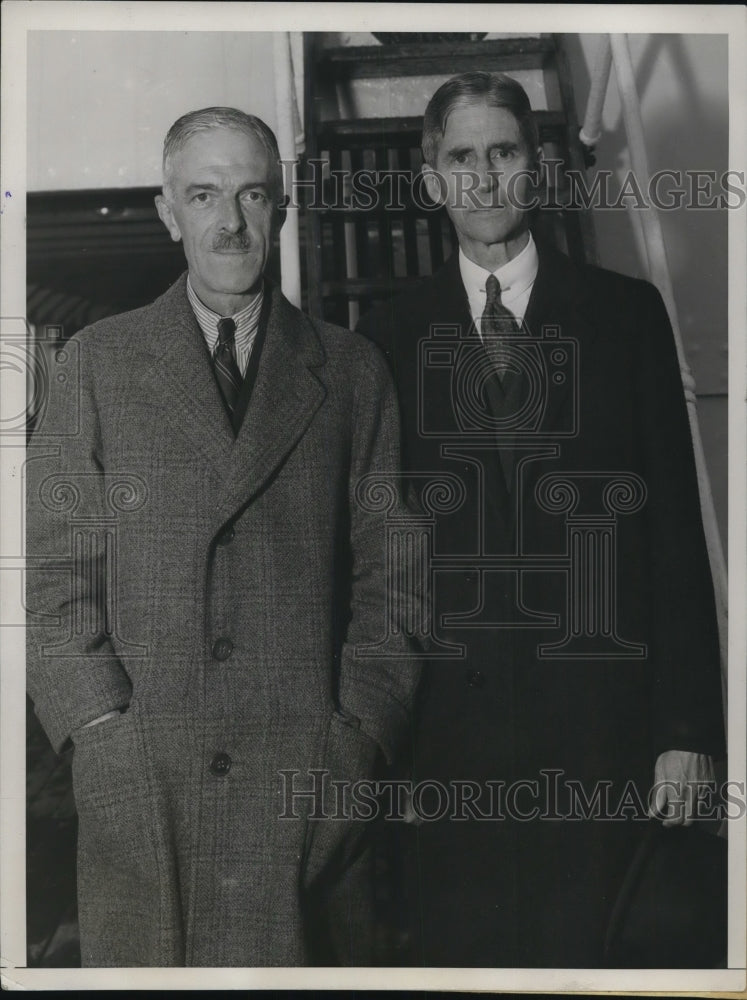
[(682, 737), (381, 717), (108, 688)]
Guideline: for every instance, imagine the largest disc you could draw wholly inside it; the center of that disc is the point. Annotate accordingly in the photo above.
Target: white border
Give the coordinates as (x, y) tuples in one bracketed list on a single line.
[(737, 695), (20, 16)]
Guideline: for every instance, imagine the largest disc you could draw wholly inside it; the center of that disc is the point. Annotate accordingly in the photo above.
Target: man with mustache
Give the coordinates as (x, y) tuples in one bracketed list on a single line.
[(552, 392), (208, 572)]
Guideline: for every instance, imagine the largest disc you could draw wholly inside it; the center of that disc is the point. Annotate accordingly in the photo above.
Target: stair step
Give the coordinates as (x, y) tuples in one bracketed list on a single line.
[(433, 58), (375, 133)]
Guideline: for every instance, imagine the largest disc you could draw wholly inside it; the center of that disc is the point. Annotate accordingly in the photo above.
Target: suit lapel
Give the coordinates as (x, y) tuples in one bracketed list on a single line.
[(560, 306), (287, 393), (449, 306), (560, 302)]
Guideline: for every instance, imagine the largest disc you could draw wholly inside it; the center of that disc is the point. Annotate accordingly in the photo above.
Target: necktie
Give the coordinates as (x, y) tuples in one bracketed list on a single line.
[(496, 322), (504, 384), (224, 359)]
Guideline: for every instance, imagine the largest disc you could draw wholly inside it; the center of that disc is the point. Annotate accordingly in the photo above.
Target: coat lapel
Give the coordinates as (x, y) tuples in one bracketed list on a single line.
[(180, 369), (286, 395), (560, 305), (560, 301)]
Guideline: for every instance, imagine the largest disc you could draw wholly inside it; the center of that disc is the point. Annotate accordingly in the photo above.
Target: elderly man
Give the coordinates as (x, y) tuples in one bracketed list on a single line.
[(205, 577), (575, 625)]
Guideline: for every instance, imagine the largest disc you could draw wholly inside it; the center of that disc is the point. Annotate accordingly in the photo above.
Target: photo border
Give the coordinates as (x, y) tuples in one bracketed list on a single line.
[(20, 17)]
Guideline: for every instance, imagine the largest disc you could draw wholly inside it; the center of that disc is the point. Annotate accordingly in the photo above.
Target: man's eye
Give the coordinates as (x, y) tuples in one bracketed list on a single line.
[(502, 154), (254, 196), (202, 197)]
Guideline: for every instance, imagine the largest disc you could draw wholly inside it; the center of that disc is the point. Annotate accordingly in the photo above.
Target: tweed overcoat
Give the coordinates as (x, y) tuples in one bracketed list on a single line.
[(219, 590), (528, 887)]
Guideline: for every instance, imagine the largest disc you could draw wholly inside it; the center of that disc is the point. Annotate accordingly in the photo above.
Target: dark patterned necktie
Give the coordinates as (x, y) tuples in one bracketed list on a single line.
[(224, 360), (496, 323)]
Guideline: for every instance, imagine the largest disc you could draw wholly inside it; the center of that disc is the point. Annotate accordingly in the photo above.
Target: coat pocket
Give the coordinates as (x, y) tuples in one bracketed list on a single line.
[(108, 783), (337, 832), (118, 885)]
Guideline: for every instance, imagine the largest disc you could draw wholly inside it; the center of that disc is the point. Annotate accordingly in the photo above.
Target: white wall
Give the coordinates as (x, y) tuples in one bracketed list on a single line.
[(683, 91), (100, 102)]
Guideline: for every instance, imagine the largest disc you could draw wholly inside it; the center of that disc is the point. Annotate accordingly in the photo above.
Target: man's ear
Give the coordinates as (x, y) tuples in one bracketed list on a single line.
[(539, 166), (435, 185), (167, 217), (281, 212)]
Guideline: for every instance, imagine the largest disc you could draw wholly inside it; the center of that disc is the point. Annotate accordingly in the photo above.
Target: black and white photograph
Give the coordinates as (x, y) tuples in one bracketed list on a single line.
[(374, 554)]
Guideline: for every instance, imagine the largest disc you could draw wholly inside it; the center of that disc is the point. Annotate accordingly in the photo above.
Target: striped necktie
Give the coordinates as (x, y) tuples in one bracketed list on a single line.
[(224, 360), (496, 322)]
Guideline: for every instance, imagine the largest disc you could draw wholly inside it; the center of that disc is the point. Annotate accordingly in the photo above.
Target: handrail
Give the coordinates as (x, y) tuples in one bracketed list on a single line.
[(592, 127), (288, 130)]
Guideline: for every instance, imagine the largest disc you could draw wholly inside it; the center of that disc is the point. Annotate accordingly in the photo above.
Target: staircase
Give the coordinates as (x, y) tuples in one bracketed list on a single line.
[(362, 249)]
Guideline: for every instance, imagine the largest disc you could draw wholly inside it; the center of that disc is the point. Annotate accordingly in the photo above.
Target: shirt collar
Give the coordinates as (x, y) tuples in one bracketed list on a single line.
[(515, 277), (246, 319)]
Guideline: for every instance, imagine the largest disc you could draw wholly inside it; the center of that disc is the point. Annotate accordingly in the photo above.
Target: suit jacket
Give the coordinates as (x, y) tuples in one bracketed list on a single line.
[(217, 589), (542, 685)]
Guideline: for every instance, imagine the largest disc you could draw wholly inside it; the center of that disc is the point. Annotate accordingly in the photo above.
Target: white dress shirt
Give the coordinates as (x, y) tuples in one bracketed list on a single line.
[(516, 280), (247, 323)]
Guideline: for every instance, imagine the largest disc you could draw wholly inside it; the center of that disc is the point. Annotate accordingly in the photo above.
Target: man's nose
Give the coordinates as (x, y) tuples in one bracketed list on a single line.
[(232, 218), (488, 176)]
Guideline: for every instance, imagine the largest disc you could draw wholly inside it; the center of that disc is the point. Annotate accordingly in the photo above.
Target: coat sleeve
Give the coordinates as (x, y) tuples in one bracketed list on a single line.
[(687, 697), (73, 673), (380, 661), (379, 326)]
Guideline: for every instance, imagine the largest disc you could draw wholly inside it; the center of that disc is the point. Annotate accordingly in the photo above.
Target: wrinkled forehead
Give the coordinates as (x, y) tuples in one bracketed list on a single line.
[(219, 148), (479, 116)]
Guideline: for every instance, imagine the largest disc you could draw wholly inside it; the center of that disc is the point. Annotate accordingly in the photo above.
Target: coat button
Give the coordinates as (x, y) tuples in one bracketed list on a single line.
[(222, 649), (227, 536), (220, 764), (476, 679)]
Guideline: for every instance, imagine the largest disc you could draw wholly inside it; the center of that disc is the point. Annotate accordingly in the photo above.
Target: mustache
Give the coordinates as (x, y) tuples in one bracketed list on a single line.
[(230, 241)]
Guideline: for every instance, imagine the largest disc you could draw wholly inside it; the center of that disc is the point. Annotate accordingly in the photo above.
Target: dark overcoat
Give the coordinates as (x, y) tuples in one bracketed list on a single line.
[(219, 590), (589, 645)]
